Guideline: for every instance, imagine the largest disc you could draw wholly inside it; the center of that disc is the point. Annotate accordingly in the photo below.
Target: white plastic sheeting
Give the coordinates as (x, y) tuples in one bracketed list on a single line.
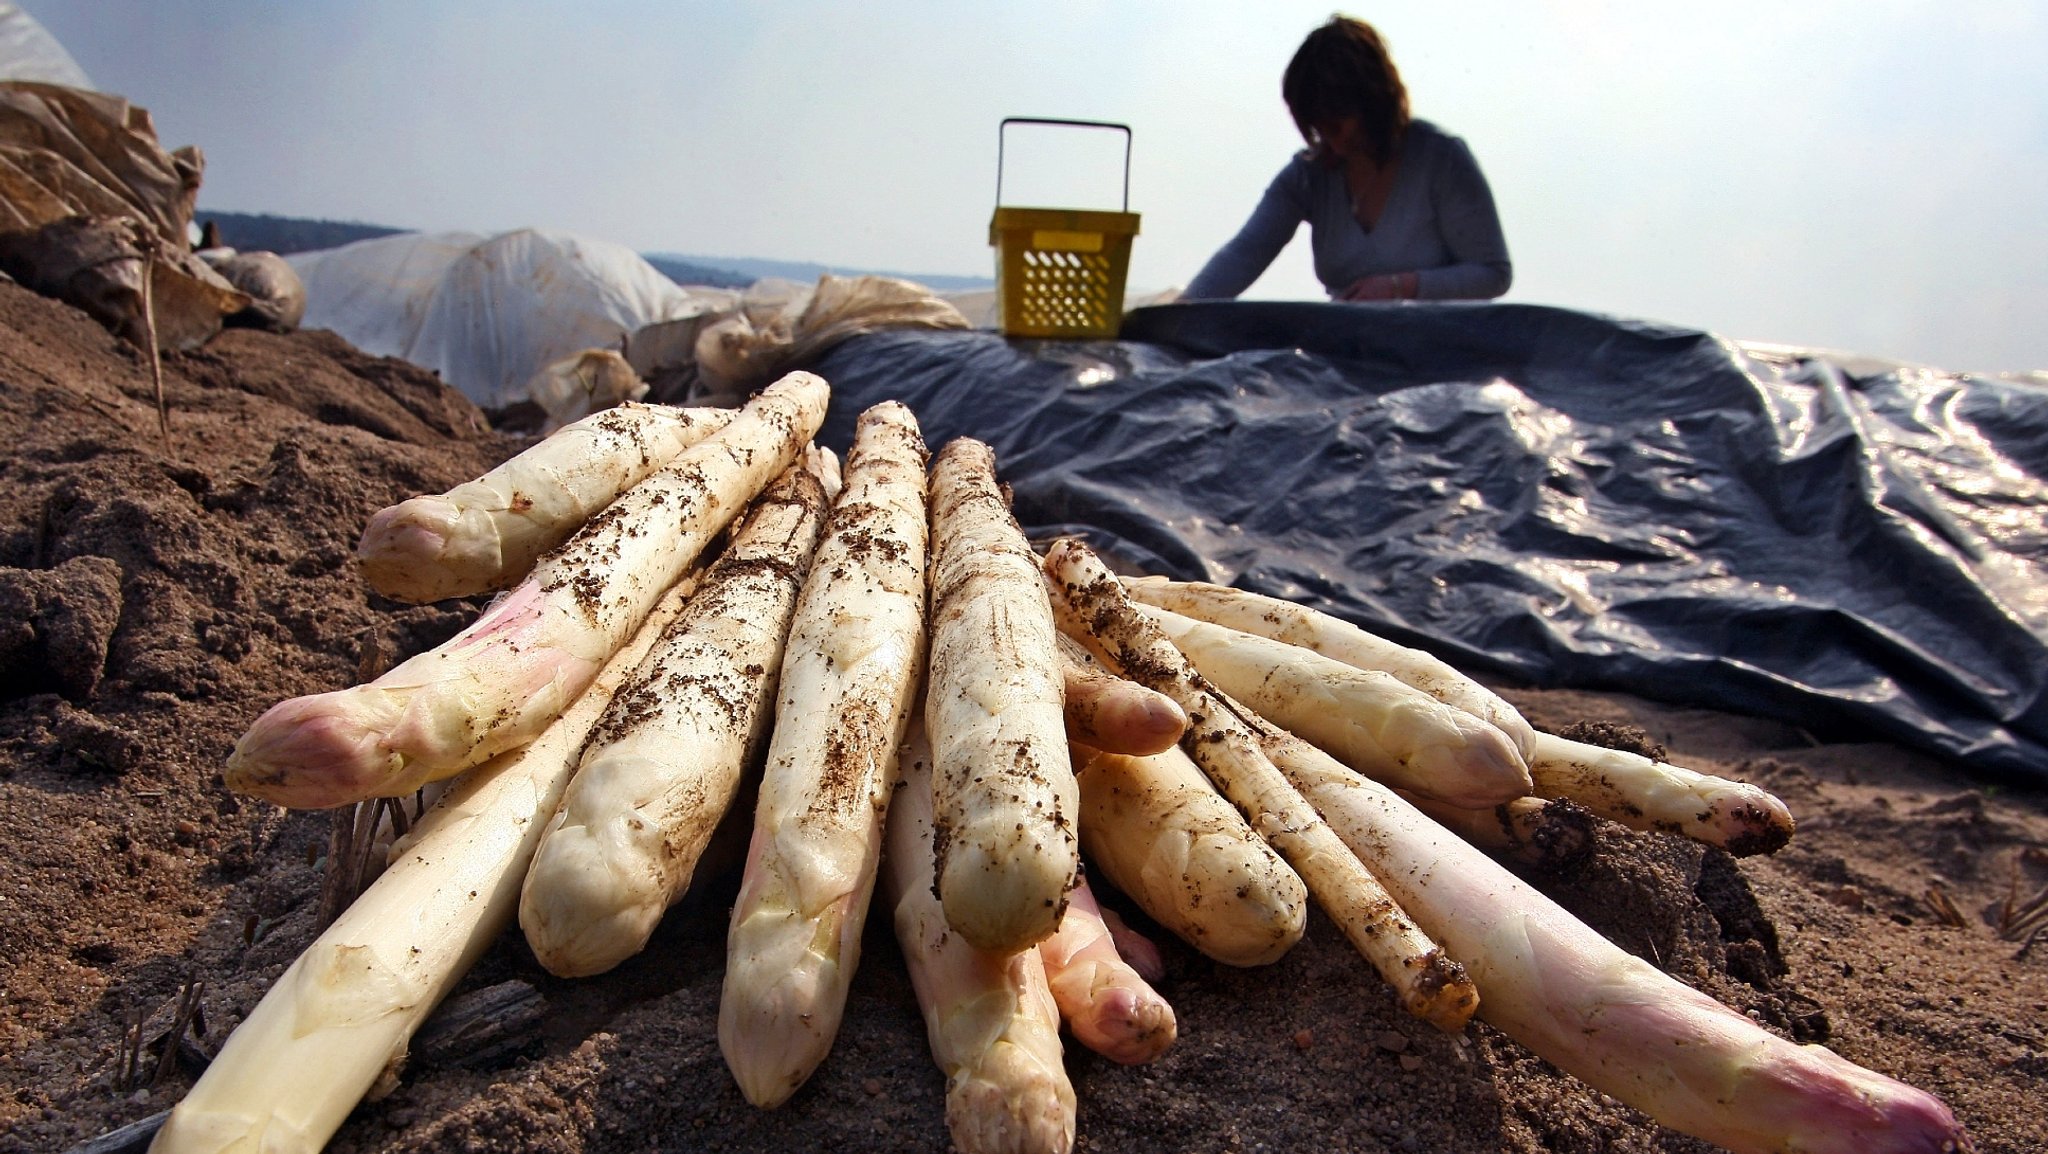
[(29, 52), (778, 324), (487, 313)]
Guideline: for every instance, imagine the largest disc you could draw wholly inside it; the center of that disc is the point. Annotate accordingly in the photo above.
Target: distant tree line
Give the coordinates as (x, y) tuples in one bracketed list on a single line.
[(261, 232), (686, 272)]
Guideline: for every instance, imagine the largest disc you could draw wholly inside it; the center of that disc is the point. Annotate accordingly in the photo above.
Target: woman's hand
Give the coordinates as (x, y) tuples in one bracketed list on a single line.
[(1392, 286)]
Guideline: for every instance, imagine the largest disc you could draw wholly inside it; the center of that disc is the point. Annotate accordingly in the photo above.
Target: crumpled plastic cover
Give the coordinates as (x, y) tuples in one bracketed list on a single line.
[(486, 313), (778, 324), (29, 52), (68, 152), (1854, 547)]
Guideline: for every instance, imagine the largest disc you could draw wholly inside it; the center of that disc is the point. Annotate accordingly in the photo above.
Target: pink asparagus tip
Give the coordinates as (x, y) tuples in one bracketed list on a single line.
[(1127, 1028), (429, 515), (1154, 726), (1491, 767), (305, 753), (1880, 1115), (407, 533)]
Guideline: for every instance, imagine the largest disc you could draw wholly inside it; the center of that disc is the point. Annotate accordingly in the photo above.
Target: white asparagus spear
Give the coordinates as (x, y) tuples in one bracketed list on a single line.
[(1609, 1018), (825, 464), (990, 1017), (666, 760), (1654, 795), (1371, 721), (850, 673), (1003, 794), (486, 534), (1160, 833), (1333, 637), (338, 1021), (502, 680), (1108, 1005), (1426, 981), (1112, 713)]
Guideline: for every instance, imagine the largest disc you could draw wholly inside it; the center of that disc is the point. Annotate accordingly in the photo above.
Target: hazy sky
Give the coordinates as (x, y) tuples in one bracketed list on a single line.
[(1867, 175)]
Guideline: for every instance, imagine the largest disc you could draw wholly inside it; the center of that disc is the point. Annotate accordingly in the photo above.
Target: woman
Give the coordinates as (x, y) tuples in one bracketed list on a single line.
[(1397, 208)]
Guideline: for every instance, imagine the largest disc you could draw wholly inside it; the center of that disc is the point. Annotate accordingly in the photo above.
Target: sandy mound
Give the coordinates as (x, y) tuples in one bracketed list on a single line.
[(156, 596)]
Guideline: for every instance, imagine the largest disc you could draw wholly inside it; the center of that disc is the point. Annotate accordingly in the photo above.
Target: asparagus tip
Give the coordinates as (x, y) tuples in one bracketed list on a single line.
[(1869, 1112), (1029, 1111), (585, 914), (1485, 770), (1755, 823), (1127, 1029), (773, 1037), (403, 547), (999, 902), (315, 752)]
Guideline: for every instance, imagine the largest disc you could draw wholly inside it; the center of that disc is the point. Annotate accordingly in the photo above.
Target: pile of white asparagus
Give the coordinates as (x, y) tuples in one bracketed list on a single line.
[(695, 595)]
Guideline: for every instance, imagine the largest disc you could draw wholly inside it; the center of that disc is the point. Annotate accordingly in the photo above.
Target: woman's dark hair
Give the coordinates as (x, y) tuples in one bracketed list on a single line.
[(1343, 69)]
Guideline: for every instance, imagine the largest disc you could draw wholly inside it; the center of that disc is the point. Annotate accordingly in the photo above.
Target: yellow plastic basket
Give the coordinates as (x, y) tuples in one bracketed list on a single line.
[(1059, 271)]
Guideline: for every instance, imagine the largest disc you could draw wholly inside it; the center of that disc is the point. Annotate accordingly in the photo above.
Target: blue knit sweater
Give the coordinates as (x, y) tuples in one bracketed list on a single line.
[(1439, 221)]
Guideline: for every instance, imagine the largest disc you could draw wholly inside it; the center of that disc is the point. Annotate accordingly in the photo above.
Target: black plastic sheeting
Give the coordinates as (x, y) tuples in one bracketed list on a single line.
[(1567, 499)]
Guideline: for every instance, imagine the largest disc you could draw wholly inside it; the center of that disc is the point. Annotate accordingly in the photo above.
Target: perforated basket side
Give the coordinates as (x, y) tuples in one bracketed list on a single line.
[(1060, 273)]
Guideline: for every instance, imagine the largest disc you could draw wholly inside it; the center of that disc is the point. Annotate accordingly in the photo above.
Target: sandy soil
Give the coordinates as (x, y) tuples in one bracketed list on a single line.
[(156, 595)]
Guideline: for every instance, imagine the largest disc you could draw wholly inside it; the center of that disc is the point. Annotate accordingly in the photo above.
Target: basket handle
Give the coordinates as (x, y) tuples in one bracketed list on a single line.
[(1009, 120)]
